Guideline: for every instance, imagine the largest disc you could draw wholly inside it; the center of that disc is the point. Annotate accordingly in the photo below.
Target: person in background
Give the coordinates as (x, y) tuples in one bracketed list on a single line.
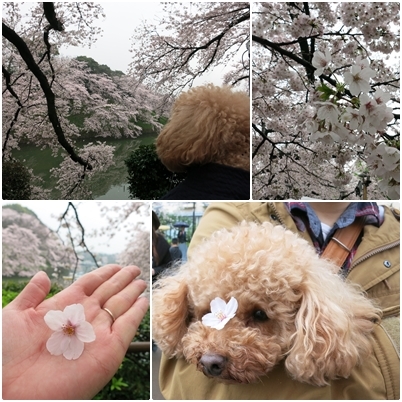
[(161, 258), (175, 251), (373, 263), (182, 238)]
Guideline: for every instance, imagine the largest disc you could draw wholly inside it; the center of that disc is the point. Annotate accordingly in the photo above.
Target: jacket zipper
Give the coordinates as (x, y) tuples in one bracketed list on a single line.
[(272, 204), (371, 253)]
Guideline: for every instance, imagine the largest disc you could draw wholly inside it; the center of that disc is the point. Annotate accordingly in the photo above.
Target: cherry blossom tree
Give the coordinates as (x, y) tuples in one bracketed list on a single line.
[(325, 100), (28, 246), (42, 92), (190, 40)]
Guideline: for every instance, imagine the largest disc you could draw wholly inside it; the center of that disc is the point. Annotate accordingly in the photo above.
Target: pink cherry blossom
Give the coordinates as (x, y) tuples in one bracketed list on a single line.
[(368, 106), (381, 97), (71, 331)]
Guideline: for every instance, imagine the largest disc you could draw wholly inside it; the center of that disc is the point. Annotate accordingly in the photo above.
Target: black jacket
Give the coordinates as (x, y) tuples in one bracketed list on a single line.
[(212, 182)]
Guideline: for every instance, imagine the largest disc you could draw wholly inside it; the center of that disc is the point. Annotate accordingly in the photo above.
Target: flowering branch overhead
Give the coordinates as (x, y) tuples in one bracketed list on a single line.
[(190, 41), (26, 55), (57, 101), (316, 108)]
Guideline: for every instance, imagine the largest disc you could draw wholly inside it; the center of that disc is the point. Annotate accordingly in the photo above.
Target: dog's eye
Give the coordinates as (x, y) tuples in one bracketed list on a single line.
[(259, 315)]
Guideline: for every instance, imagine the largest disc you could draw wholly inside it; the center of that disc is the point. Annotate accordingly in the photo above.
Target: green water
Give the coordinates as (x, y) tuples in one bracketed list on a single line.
[(109, 185)]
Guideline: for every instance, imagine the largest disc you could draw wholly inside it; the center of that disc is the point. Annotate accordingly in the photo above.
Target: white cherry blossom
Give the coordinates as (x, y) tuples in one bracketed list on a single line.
[(358, 79), (220, 313), (321, 61), (328, 111), (352, 117)]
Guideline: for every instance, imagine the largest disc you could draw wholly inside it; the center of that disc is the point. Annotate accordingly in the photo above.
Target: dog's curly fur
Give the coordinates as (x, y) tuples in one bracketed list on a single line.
[(320, 324), (207, 124)]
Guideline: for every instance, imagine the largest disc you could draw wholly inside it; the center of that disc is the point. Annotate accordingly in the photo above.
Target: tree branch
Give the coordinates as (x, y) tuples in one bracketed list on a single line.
[(82, 229), (26, 55)]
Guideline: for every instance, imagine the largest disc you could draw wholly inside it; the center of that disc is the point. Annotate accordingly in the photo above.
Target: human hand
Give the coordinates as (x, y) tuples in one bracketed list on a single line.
[(31, 372)]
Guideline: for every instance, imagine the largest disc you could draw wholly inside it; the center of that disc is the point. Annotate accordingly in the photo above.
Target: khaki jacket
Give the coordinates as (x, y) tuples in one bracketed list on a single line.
[(375, 267)]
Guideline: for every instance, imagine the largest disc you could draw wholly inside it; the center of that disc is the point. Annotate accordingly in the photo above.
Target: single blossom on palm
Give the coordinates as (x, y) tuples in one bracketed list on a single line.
[(71, 331)]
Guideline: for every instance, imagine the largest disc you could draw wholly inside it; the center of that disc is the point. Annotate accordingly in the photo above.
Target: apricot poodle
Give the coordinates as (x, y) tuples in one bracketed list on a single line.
[(207, 124), (283, 302)]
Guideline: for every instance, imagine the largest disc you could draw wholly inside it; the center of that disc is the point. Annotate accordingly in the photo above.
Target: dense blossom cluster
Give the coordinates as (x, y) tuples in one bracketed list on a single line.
[(28, 246), (325, 99), (189, 41)]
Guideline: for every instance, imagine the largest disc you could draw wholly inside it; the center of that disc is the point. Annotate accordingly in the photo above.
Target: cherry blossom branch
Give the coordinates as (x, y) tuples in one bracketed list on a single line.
[(26, 55), (82, 243), (10, 89)]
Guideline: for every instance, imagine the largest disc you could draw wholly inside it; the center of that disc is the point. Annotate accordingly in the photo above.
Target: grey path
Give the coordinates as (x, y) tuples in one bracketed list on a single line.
[(156, 358)]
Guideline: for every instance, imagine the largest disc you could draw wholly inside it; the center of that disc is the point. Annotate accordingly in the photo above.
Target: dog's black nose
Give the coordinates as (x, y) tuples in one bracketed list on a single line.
[(212, 364)]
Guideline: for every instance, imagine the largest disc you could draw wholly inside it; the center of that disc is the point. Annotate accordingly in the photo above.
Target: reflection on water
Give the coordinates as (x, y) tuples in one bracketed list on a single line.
[(116, 192), (109, 185)]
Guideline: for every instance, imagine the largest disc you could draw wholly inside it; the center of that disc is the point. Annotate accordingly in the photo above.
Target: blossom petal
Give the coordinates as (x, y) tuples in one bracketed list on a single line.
[(221, 313), (75, 313), (85, 332), (210, 320), (74, 349), (55, 319), (218, 305), (57, 343), (71, 331), (222, 323), (231, 307)]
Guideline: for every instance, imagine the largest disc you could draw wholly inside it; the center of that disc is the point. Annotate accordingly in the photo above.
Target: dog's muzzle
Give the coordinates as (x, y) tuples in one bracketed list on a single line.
[(213, 365)]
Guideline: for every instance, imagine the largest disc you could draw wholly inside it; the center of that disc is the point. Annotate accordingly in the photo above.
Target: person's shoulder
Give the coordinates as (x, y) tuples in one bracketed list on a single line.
[(393, 212)]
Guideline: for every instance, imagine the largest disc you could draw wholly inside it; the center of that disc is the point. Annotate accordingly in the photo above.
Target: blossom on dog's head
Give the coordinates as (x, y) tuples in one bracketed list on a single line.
[(71, 331), (220, 313)]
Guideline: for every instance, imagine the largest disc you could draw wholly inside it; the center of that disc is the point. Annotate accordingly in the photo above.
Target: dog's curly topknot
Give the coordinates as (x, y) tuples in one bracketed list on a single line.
[(207, 124)]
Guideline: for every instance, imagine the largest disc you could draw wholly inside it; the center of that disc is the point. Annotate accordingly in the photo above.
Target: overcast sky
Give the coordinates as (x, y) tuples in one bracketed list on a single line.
[(112, 49), (90, 217), (118, 26)]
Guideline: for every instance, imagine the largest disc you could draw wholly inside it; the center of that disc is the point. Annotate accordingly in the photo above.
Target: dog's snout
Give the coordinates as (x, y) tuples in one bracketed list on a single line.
[(213, 364)]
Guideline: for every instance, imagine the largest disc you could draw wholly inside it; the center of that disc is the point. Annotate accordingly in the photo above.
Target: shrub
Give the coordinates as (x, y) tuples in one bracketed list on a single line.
[(16, 181), (12, 288), (132, 379), (148, 178)]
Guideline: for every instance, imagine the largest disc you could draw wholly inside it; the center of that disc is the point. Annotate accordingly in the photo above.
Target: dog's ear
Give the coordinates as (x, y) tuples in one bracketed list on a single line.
[(333, 327), (170, 314)]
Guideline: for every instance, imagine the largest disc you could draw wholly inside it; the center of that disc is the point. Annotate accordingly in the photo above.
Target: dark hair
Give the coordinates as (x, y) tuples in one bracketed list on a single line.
[(175, 241), (155, 221)]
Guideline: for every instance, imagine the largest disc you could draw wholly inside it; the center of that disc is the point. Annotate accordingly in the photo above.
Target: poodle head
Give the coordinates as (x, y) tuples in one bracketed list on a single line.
[(207, 124), (291, 307)]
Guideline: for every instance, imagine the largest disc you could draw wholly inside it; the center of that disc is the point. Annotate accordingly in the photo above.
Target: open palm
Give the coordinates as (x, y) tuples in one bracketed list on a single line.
[(31, 372)]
